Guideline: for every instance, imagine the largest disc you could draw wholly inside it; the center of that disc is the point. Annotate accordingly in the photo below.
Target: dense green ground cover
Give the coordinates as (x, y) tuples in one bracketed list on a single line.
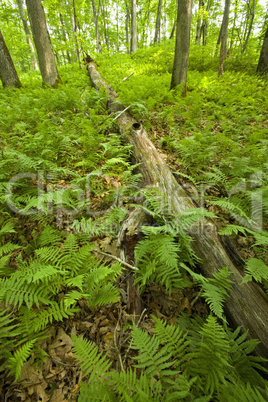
[(61, 153)]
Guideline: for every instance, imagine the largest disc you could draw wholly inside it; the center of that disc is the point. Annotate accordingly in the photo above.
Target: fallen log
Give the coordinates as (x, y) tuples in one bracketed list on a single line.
[(247, 305)]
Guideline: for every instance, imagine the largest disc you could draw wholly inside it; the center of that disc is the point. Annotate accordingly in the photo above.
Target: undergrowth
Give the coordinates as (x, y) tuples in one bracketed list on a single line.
[(66, 179)]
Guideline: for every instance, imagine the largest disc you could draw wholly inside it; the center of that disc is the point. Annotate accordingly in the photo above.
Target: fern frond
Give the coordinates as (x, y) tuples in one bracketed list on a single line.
[(256, 269), (92, 363), (49, 237), (8, 248), (173, 337), (246, 365), (150, 358), (34, 321), (239, 391), (20, 356), (210, 360)]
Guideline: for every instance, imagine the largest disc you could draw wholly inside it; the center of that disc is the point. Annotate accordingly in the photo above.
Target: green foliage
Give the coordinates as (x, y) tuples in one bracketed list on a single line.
[(203, 363)]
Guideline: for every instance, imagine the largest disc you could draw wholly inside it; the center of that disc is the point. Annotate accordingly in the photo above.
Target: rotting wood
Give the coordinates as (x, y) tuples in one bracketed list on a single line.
[(247, 305)]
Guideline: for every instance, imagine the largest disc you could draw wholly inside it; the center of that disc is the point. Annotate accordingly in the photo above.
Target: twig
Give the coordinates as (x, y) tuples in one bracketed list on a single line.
[(196, 298), (124, 79), (117, 349), (117, 259), (121, 113)]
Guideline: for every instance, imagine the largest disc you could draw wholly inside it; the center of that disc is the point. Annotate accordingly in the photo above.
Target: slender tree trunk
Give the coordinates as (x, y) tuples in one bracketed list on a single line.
[(182, 47), (219, 38), (252, 15), (205, 25), (173, 30), (65, 38), (133, 46), (74, 25), (199, 22), (96, 23), (42, 42), (8, 73), (233, 28), (28, 34), (223, 39), (158, 23), (263, 60), (105, 19), (127, 27), (117, 27), (145, 24)]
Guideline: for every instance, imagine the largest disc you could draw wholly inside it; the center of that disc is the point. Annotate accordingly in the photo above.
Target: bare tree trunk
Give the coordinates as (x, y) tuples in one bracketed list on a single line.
[(74, 25), (42, 42), (158, 23), (223, 37), (173, 30), (96, 23), (127, 27), (252, 15), (28, 34), (263, 60), (133, 45), (145, 24), (233, 28), (247, 304), (205, 25), (105, 19), (65, 38), (199, 22), (8, 73), (182, 48), (117, 27)]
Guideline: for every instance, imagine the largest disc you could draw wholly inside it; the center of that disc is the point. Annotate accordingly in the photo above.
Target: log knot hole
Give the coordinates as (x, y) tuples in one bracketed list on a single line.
[(136, 126)]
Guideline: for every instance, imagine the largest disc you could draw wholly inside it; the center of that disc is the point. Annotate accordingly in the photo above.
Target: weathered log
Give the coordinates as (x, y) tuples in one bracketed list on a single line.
[(247, 305)]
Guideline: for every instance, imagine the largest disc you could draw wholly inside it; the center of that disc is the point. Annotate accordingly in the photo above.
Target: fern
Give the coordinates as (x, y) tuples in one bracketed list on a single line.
[(174, 338), (247, 366), (20, 356), (158, 260), (215, 289), (92, 363), (152, 359), (210, 360), (255, 269)]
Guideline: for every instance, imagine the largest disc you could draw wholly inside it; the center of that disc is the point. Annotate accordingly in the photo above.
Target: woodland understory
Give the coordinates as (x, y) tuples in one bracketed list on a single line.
[(63, 292), (133, 201)]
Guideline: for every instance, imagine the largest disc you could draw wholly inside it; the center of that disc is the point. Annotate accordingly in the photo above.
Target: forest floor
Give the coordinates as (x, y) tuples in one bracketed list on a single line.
[(216, 136)]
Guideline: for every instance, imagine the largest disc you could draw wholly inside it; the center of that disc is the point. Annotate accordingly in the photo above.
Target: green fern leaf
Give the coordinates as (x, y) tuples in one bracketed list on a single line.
[(92, 363)]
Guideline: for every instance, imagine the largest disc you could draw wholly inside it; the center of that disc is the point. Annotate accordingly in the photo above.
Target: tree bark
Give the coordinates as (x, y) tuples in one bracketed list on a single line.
[(182, 47), (199, 23), (223, 36), (127, 27), (74, 26), (43, 44), (173, 30), (96, 23), (247, 304), (252, 15), (158, 23), (133, 45), (205, 25), (263, 60), (28, 34), (64, 38), (8, 73)]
